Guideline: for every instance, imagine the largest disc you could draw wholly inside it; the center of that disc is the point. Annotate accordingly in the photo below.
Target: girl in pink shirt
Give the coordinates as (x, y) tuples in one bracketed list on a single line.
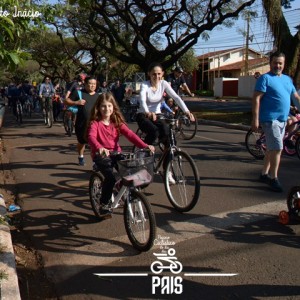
[(105, 126)]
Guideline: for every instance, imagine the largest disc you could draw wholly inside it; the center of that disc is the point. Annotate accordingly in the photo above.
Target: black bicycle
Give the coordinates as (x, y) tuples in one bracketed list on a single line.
[(69, 118), (178, 169), (184, 127)]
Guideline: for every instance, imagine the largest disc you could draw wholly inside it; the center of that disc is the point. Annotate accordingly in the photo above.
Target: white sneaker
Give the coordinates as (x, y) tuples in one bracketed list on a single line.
[(171, 179)]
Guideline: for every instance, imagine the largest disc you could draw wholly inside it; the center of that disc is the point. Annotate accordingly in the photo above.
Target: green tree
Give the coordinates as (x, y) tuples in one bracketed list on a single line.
[(141, 31), (11, 29), (283, 39)]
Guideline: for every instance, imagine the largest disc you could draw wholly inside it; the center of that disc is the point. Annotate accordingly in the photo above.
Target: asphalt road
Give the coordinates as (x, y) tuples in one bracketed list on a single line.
[(230, 245)]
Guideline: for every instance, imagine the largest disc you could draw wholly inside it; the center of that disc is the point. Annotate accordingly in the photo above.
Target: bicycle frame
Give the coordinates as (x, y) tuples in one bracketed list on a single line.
[(170, 150)]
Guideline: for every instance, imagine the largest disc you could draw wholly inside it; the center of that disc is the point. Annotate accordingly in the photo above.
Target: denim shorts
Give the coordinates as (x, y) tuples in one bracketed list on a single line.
[(274, 132)]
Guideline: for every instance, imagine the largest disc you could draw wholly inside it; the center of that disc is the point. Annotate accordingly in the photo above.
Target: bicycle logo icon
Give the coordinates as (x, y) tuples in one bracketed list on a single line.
[(174, 265)]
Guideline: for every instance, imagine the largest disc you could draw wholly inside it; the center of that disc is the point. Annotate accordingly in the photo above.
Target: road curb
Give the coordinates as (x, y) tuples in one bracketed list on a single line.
[(9, 286), (223, 124)]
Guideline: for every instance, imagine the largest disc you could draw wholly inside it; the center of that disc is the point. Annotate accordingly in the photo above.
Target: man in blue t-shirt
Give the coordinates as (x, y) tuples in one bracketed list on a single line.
[(270, 109)]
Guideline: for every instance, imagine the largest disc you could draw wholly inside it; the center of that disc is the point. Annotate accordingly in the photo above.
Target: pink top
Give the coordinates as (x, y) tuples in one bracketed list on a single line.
[(107, 136)]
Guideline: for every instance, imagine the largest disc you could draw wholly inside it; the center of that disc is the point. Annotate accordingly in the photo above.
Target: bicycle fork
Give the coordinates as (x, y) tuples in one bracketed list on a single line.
[(139, 210)]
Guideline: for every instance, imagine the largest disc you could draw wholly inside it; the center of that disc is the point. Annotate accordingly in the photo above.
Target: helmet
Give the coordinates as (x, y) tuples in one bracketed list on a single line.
[(82, 76), (178, 69)]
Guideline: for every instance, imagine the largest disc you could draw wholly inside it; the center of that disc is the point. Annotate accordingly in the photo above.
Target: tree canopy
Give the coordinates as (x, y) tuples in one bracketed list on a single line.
[(142, 31)]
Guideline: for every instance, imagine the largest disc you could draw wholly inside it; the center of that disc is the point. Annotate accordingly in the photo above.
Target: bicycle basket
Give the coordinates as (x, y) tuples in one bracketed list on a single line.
[(134, 164)]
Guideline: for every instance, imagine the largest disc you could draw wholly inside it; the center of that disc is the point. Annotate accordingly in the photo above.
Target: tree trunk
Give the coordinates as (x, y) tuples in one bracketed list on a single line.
[(284, 41)]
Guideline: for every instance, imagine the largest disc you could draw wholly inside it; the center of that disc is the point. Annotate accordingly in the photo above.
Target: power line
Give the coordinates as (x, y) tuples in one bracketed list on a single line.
[(259, 29)]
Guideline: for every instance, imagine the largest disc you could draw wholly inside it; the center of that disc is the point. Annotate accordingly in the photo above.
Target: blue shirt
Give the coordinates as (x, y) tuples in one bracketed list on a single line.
[(275, 103)]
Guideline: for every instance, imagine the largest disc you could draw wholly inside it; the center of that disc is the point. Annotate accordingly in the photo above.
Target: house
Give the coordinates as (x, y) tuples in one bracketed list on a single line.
[(230, 63)]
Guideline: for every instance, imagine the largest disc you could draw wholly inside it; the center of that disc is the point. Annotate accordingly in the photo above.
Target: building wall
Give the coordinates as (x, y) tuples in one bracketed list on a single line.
[(229, 58), (246, 87), (226, 87)]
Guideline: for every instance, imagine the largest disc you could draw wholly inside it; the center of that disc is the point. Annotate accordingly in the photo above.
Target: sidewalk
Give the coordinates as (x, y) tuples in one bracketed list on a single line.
[(9, 286)]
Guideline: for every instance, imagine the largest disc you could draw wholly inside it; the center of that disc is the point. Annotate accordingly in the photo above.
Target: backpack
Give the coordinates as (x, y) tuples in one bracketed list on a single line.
[(74, 108)]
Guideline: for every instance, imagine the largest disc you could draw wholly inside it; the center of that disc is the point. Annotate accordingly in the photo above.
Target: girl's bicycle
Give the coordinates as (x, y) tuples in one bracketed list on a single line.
[(180, 174), (135, 171), (256, 142)]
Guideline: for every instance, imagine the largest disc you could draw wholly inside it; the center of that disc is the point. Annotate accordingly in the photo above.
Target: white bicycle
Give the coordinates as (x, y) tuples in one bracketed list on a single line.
[(135, 171)]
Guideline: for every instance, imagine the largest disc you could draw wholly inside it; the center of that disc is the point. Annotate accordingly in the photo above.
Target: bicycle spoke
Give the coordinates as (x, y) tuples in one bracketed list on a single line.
[(95, 191), (185, 191), (255, 143), (139, 222)]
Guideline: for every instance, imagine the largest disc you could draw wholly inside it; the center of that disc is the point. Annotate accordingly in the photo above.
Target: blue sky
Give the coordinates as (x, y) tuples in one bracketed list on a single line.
[(223, 38)]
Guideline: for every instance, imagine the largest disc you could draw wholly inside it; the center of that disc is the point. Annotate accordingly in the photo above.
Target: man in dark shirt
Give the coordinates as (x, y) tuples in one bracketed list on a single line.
[(119, 90), (77, 84), (177, 81), (84, 104)]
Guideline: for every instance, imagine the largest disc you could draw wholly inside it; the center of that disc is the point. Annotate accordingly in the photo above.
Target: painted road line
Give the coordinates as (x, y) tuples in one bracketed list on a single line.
[(107, 251)]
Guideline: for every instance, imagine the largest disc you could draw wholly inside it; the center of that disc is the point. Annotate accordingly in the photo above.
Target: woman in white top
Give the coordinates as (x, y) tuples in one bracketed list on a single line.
[(151, 96)]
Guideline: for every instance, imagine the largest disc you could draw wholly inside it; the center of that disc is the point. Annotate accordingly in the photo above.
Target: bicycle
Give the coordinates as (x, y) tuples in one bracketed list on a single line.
[(184, 192), (185, 128), (69, 116), (135, 171), (49, 111), (28, 106), (293, 204), (129, 109), (256, 142), (19, 111)]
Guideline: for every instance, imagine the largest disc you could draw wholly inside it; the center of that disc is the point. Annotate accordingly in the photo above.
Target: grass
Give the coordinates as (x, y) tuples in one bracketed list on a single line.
[(243, 118)]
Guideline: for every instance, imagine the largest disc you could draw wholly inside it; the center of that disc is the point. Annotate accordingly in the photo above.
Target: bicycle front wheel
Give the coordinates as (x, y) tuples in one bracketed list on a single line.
[(187, 128), (49, 117), (256, 143), (183, 188), (139, 221), (95, 191)]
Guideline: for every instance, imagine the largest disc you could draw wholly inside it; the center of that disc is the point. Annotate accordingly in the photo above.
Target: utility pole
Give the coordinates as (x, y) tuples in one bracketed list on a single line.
[(247, 45)]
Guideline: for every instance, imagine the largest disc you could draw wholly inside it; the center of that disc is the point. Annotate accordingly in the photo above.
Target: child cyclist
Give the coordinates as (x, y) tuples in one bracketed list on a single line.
[(105, 126)]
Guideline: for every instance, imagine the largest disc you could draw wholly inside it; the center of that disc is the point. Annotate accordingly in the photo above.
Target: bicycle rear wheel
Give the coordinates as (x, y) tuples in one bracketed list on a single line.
[(256, 143), (186, 127), (95, 191), (139, 221), (184, 192), (68, 122)]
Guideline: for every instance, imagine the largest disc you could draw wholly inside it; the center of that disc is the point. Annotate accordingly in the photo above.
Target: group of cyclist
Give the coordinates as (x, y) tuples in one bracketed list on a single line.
[(99, 122)]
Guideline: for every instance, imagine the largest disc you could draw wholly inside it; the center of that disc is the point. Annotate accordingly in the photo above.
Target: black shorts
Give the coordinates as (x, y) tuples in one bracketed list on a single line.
[(80, 134)]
